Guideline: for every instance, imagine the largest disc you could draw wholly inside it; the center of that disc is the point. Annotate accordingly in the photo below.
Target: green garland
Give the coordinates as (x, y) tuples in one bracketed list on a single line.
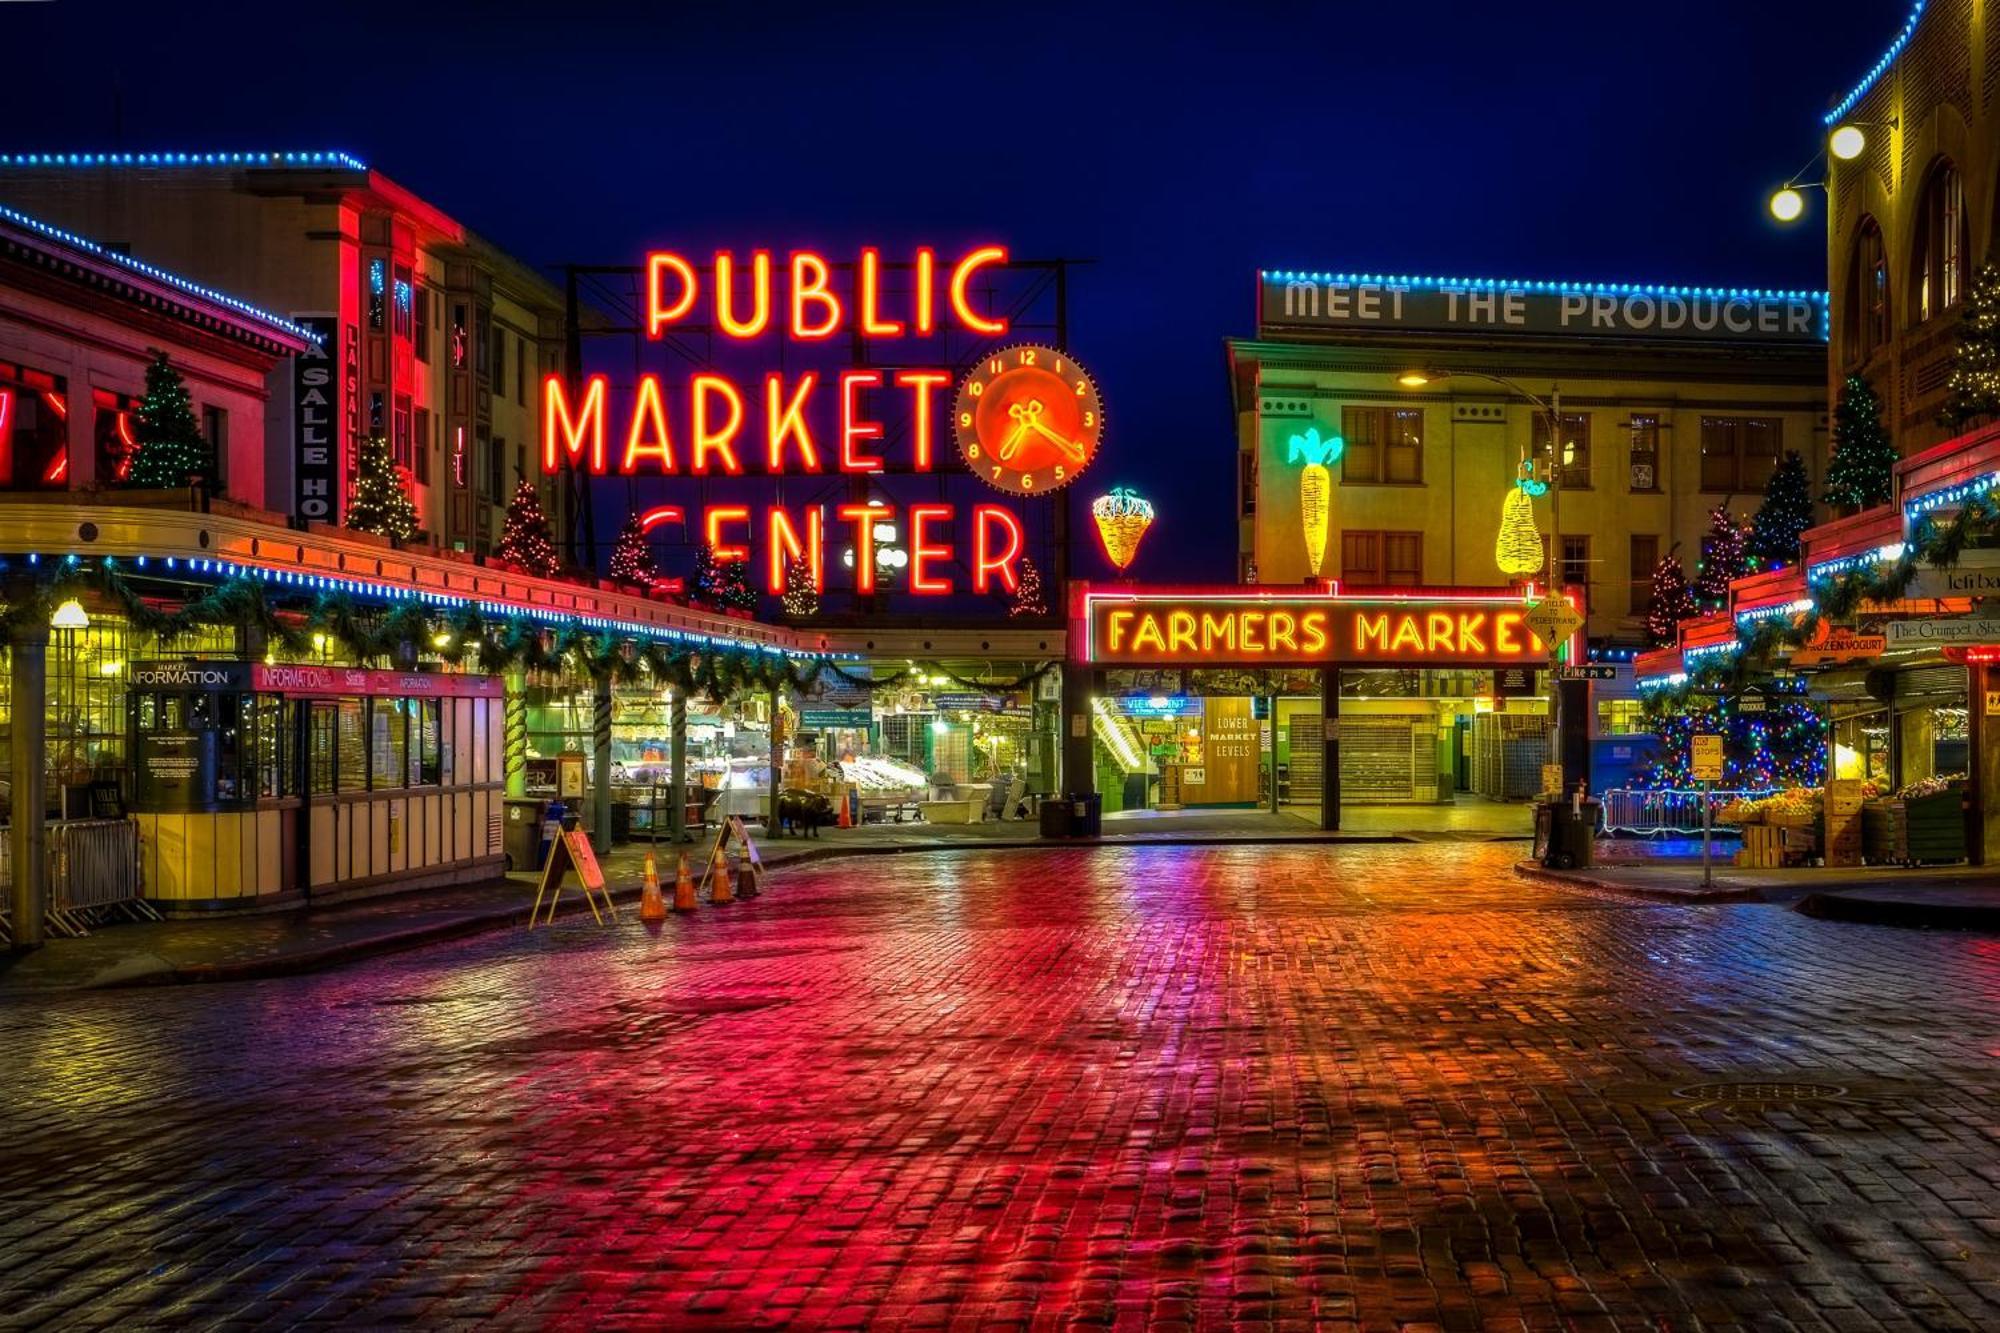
[(503, 642)]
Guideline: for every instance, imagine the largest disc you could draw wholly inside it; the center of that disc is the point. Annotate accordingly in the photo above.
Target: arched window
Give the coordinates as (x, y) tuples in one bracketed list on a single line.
[(1867, 293), (1943, 242)]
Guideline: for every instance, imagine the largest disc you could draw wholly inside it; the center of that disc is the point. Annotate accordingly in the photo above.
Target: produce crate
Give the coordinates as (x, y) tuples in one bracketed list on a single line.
[(1934, 828), (1843, 822), (1882, 839)]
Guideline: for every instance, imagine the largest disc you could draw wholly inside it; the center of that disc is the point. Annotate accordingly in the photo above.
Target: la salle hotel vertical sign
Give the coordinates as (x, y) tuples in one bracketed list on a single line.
[(1025, 420)]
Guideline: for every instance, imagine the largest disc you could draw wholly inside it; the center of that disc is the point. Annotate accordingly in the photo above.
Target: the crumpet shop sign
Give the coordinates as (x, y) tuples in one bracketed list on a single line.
[(1235, 630)]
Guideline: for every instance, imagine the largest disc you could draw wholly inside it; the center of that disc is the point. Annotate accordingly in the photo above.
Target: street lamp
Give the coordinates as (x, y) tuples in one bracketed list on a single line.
[(1847, 142)]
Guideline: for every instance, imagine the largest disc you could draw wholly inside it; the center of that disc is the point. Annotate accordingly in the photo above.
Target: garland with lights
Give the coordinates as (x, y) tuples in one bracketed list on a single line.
[(1974, 386), (380, 502), (525, 541), (1862, 471), (168, 449)]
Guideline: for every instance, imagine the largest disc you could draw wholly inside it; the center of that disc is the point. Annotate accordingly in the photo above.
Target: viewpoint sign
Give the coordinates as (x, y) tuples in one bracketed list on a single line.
[(1330, 301), (1236, 628)]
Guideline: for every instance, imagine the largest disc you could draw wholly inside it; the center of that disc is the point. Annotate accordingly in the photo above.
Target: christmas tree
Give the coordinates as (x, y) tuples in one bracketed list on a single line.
[(1785, 514), (525, 541), (1975, 364), (631, 556), (1671, 602), (380, 502), (736, 592), (705, 581), (1783, 746), (1028, 600), (168, 448), (1862, 471), (1725, 552), (801, 598)]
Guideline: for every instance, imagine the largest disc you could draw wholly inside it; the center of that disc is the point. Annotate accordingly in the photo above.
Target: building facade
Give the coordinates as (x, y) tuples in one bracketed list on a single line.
[(1670, 402), (433, 339), (1910, 217)]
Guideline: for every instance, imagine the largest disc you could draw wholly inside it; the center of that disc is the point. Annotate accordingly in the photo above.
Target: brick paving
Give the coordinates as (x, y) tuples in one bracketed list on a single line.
[(1365, 1087)]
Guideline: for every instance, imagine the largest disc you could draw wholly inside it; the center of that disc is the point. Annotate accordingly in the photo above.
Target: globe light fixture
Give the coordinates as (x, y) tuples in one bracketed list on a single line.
[(70, 615), (1787, 205), (1413, 379), (1847, 142)]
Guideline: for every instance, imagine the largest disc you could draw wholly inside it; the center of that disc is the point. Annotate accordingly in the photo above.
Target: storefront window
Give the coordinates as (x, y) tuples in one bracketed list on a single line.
[(426, 743), (351, 746), (34, 430), (389, 744)]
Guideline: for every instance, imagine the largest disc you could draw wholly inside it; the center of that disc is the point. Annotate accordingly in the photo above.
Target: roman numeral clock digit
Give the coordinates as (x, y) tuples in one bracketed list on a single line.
[(1028, 420)]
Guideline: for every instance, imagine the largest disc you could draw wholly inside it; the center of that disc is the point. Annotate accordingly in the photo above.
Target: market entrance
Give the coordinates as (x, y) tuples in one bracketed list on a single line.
[(1413, 703)]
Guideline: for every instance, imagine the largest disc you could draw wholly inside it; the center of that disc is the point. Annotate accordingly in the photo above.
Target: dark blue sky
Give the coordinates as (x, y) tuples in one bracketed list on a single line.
[(1180, 146)]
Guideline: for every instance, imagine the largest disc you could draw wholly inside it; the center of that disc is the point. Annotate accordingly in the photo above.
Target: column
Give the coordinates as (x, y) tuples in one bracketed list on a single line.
[(1329, 721), (777, 765), (515, 736), (600, 787), (28, 648), (677, 764), (1079, 760)]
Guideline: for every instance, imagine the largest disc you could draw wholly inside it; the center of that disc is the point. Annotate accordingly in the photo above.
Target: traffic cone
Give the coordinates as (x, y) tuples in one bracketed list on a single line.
[(746, 878), (652, 907), (684, 899), (846, 821), (723, 892)]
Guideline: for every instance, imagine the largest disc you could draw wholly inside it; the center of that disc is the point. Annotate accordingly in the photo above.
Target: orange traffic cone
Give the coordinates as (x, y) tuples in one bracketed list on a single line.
[(746, 878), (723, 892), (684, 899), (652, 907), (846, 821)]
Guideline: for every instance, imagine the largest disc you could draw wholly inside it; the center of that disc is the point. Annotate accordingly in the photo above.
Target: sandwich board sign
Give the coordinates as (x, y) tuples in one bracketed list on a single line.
[(572, 851)]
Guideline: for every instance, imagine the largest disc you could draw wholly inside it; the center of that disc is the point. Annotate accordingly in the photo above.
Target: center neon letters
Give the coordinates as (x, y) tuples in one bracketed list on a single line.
[(1313, 631)]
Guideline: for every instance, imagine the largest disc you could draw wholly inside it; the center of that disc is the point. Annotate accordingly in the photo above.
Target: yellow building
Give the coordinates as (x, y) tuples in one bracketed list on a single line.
[(1669, 401), (1913, 164), (437, 338)]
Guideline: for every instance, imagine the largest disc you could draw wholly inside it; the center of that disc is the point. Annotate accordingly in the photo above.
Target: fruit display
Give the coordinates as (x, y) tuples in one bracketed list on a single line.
[(1930, 786), (1794, 805), (876, 775)]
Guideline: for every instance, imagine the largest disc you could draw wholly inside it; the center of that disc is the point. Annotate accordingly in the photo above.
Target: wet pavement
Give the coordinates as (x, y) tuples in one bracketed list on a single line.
[(1387, 1086)]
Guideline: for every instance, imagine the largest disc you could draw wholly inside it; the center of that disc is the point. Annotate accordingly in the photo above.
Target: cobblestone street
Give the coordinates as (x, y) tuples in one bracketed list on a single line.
[(1372, 1087)]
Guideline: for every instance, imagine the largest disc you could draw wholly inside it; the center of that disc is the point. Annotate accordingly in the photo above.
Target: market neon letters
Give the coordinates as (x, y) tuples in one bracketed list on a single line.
[(1463, 631)]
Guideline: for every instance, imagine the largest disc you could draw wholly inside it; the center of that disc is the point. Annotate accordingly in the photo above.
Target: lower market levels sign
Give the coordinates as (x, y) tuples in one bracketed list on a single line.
[(1237, 627)]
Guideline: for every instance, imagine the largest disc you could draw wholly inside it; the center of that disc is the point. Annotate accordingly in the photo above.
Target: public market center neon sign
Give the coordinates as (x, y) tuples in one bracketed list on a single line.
[(1240, 628), (803, 422)]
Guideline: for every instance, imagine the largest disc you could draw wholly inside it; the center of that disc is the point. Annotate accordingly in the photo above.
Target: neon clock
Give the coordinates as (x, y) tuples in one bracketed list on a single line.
[(1028, 420)]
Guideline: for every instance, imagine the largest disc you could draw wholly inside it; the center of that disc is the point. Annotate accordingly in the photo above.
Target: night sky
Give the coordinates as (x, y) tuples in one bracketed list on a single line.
[(1180, 147)]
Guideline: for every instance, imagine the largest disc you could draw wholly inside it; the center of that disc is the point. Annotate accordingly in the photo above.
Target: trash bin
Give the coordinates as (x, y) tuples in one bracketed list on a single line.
[(1086, 814), (1055, 817), (521, 838), (621, 821), (1565, 833)]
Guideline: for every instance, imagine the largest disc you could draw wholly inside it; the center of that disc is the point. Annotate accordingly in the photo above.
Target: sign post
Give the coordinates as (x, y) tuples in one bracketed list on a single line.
[(1705, 759)]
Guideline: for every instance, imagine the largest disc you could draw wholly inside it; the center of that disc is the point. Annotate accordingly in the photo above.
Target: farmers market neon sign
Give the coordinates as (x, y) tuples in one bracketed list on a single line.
[(798, 423), (1231, 628)]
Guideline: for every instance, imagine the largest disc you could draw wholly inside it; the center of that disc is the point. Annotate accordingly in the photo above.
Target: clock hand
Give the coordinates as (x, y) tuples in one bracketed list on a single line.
[(1072, 450), (1026, 416), (1012, 444)]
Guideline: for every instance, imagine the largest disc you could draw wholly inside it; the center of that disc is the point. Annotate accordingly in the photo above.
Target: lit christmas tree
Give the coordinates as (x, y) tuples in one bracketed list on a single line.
[(1725, 552), (1028, 600), (1785, 514), (380, 502), (1975, 364), (1784, 746), (525, 541), (704, 581), (736, 592), (168, 448), (1862, 471), (801, 598), (632, 556), (1671, 602)]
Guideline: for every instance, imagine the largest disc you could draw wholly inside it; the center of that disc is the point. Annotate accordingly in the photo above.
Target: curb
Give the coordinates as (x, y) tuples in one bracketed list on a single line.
[(479, 923), (1570, 879), (1903, 915)]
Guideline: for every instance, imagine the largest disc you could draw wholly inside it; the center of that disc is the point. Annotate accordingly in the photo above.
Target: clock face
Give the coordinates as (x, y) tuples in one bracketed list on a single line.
[(1028, 420)]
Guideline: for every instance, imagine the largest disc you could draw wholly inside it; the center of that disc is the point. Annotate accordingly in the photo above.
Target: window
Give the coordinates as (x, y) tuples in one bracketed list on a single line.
[(1380, 558), (421, 464), (1385, 446), (1645, 555), (1575, 448), (1623, 717), (215, 432), (34, 430), (421, 334), (482, 467), (426, 752), (1575, 561), (1867, 294), (482, 348), (402, 446), (1943, 242), (499, 363), (405, 301), (459, 332), (1738, 453), (378, 293), (496, 485), (1644, 471), (376, 426), (113, 431), (1246, 481), (521, 371)]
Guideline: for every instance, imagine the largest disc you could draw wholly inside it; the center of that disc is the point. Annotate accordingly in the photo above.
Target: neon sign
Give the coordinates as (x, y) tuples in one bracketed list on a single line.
[(817, 421), (1237, 629)]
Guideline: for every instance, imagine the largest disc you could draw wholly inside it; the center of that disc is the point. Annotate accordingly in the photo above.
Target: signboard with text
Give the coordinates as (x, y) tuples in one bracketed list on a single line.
[(1927, 633), (1238, 628)]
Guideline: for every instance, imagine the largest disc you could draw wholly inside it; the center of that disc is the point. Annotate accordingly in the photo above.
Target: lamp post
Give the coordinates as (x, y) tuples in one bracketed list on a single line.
[(1551, 408)]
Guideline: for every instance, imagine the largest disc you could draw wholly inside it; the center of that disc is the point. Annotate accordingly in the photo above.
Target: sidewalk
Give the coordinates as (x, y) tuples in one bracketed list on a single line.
[(1936, 898), (248, 945)]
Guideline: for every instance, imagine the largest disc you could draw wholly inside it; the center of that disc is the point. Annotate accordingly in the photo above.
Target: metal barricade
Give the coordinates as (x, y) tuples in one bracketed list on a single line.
[(1645, 811), (92, 869)]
